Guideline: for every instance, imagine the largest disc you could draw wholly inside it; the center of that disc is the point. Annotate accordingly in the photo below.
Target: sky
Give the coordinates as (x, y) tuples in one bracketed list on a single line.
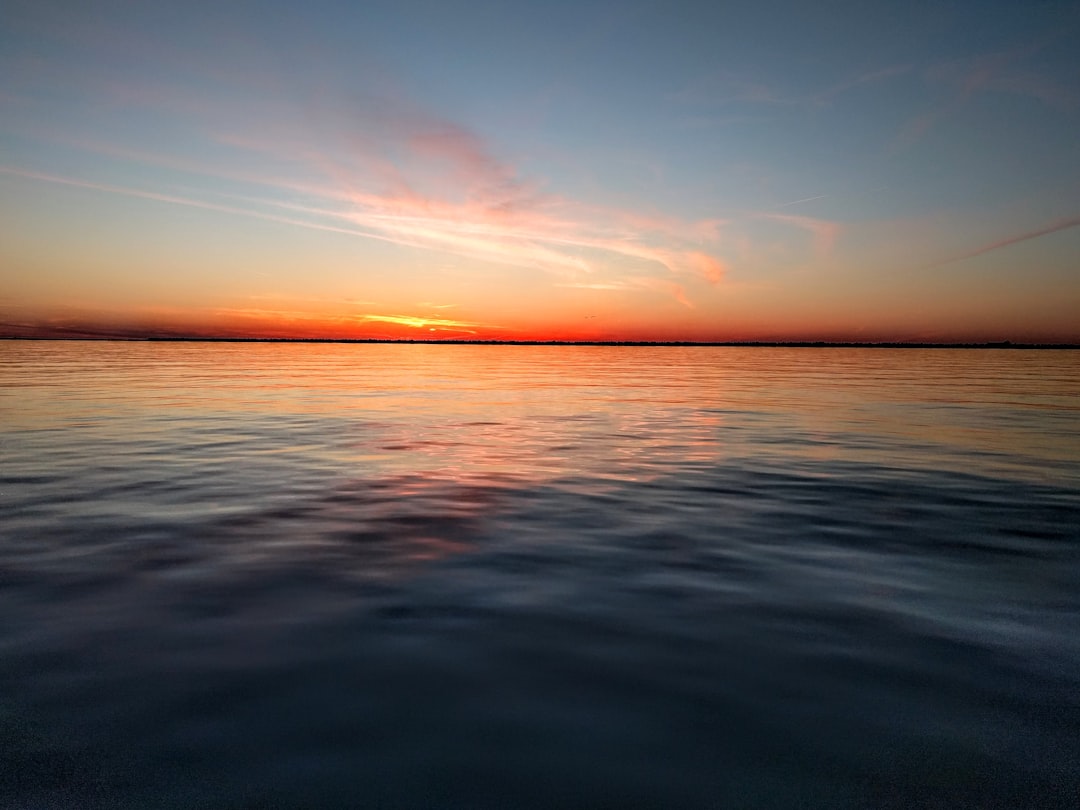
[(850, 171)]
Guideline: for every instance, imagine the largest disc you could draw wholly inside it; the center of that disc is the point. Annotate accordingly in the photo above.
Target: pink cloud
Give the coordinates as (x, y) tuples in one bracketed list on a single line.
[(675, 290), (707, 266), (824, 232), (389, 170), (364, 160)]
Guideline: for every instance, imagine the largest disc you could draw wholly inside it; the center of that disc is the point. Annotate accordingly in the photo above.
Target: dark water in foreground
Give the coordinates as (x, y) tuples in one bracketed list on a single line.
[(254, 576)]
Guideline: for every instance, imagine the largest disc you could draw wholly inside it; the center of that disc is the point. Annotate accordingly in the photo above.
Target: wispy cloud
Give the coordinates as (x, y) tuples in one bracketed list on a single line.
[(672, 288), (861, 80), (726, 88), (185, 201), (641, 283), (370, 163), (551, 234), (823, 231), (595, 285), (421, 323), (483, 211), (997, 72), (1053, 227), (308, 318)]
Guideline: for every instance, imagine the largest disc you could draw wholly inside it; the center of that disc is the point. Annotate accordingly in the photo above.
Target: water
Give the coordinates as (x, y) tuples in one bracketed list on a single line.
[(297, 576)]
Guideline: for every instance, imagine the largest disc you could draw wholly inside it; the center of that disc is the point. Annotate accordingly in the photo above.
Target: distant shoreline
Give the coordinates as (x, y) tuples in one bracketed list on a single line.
[(785, 344)]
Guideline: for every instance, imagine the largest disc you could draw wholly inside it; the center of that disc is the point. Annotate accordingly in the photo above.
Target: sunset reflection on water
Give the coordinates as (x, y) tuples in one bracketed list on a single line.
[(546, 412), (519, 575)]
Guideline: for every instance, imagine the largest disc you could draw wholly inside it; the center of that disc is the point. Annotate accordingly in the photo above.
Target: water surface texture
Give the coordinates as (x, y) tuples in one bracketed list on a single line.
[(298, 576)]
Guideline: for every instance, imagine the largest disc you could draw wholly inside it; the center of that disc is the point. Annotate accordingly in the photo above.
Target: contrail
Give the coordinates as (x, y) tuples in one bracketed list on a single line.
[(807, 199), (1053, 227), (169, 198)]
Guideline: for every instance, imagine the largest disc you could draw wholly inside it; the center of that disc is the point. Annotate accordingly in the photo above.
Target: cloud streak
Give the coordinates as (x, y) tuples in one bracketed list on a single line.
[(725, 88), (495, 223), (803, 200), (425, 323), (1053, 227), (306, 318), (368, 163), (185, 201)]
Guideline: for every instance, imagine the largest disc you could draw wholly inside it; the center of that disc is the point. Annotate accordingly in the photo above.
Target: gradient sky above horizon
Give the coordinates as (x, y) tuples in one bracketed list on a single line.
[(685, 171)]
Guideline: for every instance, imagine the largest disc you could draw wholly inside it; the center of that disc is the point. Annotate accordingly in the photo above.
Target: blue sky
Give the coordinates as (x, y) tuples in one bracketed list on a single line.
[(676, 170)]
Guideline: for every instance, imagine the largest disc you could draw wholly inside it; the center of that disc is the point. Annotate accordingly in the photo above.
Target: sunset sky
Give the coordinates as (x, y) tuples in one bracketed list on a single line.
[(555, 170)]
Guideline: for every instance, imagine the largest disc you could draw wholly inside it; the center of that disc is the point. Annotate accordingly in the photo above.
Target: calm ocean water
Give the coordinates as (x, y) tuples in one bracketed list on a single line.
[(301, 576)]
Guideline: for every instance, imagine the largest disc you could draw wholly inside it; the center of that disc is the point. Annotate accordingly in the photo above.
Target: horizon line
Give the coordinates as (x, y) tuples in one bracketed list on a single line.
[(883, 344)]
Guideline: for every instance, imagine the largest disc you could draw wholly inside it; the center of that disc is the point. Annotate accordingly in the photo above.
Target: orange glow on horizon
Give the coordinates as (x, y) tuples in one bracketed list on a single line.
[(310, 325)]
